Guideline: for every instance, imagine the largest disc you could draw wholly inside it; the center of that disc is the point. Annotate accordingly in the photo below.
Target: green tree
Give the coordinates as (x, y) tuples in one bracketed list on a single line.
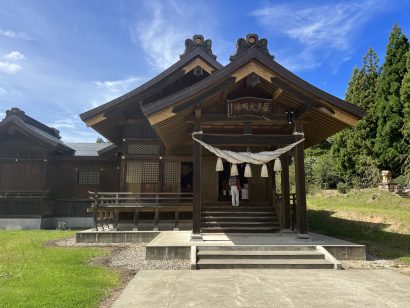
[(352, 148), (390, 146), (99, 140), (405, 100)]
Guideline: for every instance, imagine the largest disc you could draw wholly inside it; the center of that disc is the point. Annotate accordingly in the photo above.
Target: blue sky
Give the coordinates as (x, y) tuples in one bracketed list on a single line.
[(61, 58)]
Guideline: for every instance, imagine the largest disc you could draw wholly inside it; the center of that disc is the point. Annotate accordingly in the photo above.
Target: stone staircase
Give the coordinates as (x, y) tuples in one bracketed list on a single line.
[(243, 219), (273, 257), (403, 194)]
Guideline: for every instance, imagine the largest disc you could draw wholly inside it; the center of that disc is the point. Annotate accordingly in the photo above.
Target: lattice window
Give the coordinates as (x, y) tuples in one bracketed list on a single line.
[(143, 149), (172, 172), (142, 172), (89, 177)]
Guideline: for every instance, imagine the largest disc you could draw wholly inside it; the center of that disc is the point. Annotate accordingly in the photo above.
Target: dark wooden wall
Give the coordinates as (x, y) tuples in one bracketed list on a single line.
[(63, 175), (22, 165)]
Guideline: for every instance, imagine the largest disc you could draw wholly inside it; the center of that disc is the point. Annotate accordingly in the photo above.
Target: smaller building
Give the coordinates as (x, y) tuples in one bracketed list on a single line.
[(44, 180)]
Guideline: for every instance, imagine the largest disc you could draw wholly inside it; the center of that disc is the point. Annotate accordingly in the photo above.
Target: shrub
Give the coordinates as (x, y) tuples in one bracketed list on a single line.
[(61, 226), (343, 188)]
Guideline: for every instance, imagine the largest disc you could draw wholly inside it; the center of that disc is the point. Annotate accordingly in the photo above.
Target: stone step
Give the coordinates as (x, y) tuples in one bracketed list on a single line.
[(255, 254), (242, 203), (239, 218), (240, 224), (238, 208), (258, 248), (237, 213), (237, 229), (264, 263)]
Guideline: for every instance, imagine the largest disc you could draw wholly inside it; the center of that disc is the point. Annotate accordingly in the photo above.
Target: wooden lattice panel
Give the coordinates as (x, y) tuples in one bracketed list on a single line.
[(142, 172), (143, 149), (89, 177), (172, 172)]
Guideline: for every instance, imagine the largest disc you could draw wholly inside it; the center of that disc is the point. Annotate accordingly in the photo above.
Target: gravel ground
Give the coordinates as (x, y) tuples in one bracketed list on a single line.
[(129, 256), (373, 262)]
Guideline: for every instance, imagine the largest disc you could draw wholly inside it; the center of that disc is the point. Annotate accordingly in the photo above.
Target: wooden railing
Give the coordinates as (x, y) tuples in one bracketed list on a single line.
[(23, 194), (25, 204), (106, 206)]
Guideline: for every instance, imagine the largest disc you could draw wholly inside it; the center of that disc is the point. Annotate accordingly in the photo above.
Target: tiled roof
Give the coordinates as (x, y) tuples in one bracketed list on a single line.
[(88, 149)]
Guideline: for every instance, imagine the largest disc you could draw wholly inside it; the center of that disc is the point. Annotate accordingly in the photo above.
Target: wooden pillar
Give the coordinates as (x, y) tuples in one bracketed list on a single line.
[(197, 164), (123, 164), (301, 211), (271, 189), (285, 188)]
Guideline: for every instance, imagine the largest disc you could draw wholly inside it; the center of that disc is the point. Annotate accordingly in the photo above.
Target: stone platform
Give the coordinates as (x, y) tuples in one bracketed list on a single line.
[(167, 245)]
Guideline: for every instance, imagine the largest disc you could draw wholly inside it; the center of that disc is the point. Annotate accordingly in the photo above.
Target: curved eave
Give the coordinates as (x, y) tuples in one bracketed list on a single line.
[(49, 141), (271, 68), (197, 52)]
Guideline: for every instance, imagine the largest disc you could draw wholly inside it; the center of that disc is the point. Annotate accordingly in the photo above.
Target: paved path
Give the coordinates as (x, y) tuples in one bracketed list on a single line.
[(267, 288)]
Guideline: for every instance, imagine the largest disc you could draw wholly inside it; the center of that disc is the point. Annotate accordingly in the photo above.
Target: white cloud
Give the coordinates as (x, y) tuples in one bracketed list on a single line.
[(15, 55), (63, 123), (15, 35), (320, 30), (2, 115), (9, 68), (3, 91), (110, 89), (162, 30)]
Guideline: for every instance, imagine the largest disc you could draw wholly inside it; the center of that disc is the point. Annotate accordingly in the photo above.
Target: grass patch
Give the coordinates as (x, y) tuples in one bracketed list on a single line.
[(33, 274), (379, 220)]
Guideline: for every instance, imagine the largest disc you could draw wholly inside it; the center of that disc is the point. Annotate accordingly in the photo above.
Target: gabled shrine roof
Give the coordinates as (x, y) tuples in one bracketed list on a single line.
[(192, 52), (48, 135), (323, 113), (244, 58)]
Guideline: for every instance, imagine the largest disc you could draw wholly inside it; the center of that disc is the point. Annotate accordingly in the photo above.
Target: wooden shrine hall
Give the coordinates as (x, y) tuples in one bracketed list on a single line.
[(251, 105)]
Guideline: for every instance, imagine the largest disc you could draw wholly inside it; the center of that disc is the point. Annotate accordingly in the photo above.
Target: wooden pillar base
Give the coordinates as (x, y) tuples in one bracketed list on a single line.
[(304, 236), (196, 237)]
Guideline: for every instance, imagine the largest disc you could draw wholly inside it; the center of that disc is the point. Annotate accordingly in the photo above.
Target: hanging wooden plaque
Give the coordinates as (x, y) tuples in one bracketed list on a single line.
[(249, 106)]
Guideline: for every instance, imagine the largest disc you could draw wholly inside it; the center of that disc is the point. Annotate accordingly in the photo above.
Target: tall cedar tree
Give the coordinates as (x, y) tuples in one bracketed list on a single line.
[(352, 148), (390, 146), (405, 100)]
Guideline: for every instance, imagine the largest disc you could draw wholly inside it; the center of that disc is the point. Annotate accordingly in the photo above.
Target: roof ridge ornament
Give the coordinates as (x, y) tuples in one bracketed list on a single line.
[(198, 41), (252, 41)]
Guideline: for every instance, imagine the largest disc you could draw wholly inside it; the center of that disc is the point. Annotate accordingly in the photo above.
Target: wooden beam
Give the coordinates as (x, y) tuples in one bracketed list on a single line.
[(303, 112), (247, 128), (197, 100), (253, 67), (197, 162), (301, 210), (301, 97), (217, 139), (277, 93), (211, 118), (198, 62)]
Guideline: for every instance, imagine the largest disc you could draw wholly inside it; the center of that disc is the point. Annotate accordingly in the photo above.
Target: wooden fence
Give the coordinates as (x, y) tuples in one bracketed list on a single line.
[(109, 207)]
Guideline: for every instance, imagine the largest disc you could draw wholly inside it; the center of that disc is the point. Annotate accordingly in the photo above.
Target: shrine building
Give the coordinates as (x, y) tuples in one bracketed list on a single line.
[(173, 143)]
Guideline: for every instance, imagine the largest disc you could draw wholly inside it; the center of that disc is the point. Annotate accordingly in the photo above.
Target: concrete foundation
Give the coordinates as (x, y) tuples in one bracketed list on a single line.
[(92, 236), (31, 223), (70, 222)]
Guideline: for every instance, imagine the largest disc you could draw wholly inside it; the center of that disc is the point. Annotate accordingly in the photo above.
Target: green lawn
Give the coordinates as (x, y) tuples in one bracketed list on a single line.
[(35, 275), (380, 220)]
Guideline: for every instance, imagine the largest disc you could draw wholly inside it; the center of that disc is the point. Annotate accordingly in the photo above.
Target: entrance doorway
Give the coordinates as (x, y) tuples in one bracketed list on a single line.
[(224, 191), (186, 177)]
